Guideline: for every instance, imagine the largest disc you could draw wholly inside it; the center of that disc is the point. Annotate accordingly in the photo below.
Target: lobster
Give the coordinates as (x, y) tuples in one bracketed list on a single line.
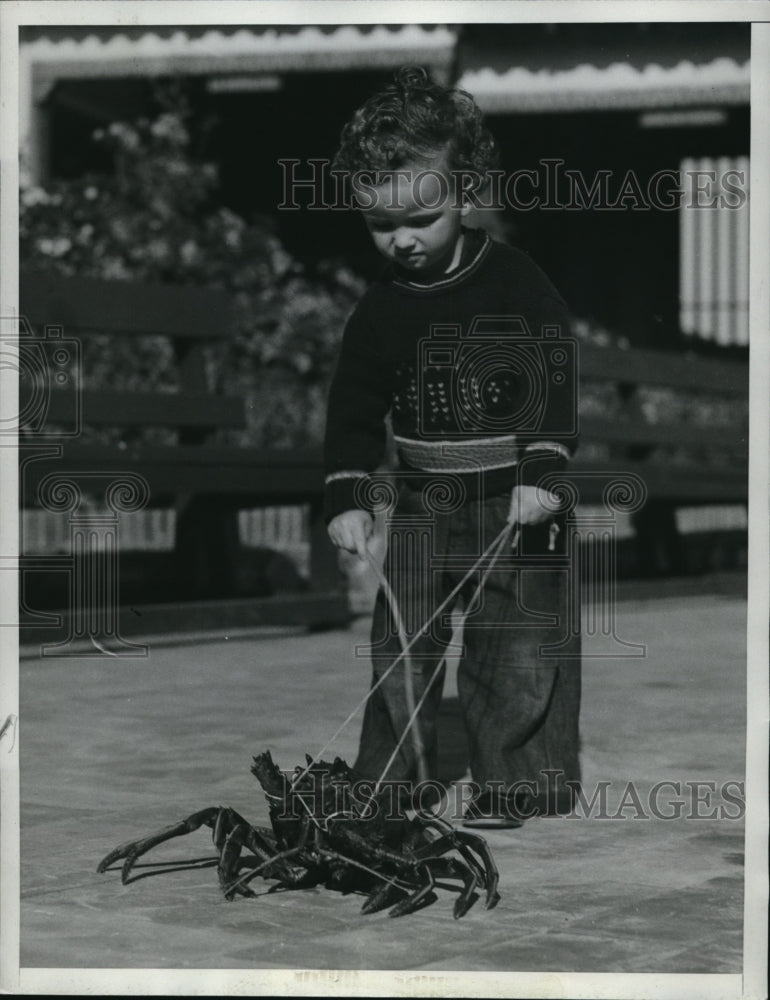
[(323, 832)]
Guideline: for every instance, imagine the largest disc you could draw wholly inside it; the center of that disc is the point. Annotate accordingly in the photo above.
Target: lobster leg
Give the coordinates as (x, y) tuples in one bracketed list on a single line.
[(284, 871), (449, 843), (450, 868), (467, 844), (223, 822), (382, 897), (134, 849), (478, 845), (229, 857), (424, 894), (287, 877), (259, 841), (423, 860)]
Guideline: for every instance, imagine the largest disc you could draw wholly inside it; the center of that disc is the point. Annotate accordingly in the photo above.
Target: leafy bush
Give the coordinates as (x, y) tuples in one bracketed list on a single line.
[(157, 218)]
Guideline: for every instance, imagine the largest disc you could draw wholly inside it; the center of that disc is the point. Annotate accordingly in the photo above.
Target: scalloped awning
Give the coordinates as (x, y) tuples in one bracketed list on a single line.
[(95, 52), (634, 69), (508, 68)]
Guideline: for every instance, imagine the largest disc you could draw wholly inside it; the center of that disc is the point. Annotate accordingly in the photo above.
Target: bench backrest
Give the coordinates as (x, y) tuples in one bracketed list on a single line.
[(631, 371), (193, 318)]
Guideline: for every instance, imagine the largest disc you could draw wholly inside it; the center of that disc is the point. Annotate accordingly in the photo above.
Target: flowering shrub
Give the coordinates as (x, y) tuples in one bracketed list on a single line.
[(156, 218)]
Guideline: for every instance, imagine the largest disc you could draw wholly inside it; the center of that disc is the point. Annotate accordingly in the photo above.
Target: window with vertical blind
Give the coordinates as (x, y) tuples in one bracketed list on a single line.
[(714, 249)]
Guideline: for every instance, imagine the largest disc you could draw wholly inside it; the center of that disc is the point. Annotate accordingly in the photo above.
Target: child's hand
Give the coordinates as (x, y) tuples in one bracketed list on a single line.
[(531, 505), (352, 530)]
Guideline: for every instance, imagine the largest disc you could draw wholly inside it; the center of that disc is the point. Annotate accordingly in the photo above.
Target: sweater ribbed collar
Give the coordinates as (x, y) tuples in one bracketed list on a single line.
[(476, 244)]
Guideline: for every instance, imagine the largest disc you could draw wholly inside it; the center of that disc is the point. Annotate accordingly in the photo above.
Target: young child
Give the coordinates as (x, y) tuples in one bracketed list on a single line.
[(455, 341)]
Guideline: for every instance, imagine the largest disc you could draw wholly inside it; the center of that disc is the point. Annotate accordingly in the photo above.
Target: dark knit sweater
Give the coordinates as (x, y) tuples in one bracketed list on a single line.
[(476, 369)]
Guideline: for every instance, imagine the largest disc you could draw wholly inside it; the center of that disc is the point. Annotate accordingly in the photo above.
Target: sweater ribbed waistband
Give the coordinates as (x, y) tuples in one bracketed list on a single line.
[(467, 455)]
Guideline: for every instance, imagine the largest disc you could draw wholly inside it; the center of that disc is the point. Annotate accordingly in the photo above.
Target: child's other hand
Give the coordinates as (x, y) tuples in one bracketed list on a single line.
[(531, 505), (352, 530)]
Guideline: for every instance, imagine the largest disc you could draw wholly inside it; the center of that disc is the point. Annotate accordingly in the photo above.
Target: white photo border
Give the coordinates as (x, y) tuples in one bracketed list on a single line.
[(752, 984)]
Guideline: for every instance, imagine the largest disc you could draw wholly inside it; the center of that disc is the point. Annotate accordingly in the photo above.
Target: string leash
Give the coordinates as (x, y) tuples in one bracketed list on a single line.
[(413, 724), (494, 548)]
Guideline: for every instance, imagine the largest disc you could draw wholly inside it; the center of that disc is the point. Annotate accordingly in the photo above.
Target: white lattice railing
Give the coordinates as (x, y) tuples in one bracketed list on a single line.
[(714, 249), (283, 528), (286, 529)]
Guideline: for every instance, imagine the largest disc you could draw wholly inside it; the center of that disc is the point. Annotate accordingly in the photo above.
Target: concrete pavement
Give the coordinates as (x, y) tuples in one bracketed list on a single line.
[(114, 748)]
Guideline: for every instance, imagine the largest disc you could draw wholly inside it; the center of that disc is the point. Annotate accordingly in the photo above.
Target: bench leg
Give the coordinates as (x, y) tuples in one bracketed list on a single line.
[(659, 549), (207, 547), (326, 577)]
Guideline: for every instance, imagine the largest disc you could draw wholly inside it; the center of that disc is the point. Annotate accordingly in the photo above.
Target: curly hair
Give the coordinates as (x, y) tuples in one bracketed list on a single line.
[(415, 120)]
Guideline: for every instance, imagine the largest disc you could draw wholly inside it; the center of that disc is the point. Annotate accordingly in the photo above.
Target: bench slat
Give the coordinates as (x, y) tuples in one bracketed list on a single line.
[(682, 485), (89, 305), (145, 409), (220, 470), (663, 368), (271, 477), (634, 432)]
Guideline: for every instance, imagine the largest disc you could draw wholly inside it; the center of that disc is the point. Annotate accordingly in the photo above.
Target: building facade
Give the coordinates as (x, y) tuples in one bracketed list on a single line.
[(624, 146)]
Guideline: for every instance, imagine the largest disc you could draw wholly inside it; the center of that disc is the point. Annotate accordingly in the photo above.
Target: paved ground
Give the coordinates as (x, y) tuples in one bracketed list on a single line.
[(112, 748)]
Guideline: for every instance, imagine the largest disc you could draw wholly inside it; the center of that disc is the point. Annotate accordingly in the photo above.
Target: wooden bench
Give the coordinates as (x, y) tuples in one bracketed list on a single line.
[(205, 481), (714, 469)]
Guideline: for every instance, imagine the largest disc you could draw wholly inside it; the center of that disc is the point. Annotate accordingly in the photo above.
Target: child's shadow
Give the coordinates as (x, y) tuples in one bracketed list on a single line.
[(452, 742)]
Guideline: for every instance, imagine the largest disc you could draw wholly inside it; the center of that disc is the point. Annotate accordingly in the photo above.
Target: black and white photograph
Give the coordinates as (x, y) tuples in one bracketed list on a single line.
[(384, 534)]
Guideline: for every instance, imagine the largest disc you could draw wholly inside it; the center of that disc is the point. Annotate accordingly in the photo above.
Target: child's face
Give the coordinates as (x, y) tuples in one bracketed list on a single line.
[(414, 220)]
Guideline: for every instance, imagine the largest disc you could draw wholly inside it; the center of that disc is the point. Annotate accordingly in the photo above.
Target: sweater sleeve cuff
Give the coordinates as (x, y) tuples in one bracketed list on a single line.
[(342, 491)]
